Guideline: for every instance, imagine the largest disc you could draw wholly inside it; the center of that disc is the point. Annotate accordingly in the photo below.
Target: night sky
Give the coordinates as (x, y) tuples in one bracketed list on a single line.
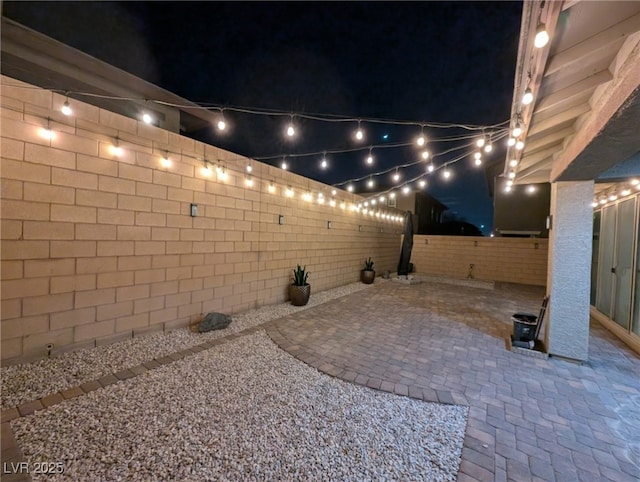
[(444, 62)]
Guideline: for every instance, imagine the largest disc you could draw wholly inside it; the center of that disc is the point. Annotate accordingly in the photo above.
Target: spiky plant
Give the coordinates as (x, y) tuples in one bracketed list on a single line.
[(368, 264), (300, 275)]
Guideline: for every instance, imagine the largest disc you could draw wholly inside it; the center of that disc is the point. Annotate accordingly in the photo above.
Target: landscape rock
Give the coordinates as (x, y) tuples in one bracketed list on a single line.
[(214, 321)]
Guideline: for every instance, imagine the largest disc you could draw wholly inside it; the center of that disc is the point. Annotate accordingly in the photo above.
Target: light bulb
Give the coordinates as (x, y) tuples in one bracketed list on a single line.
[(513, 162), (324, 164), (519, 145), (507, 189), (381, 199), (517, 130), (289, 191), (249, 181), (635, 182), (613, 197), (531, 189), (284, 165), (511, 141), (421, 140), (422, 183), (249, 168), (66, 108), (509, 182), (480, 142), (446, 173), (165, 161), (425, 155), (222, 125), (373, 202), (594, 204), (332, 203), (291, 131), (116, 151), (488, 148), (477, 155), (626, 192), (222, 175), (47, 134), (333, 192), (406, 190), (369, 159), (343, 205), (272, 187), (146, 118), (371, 183), (527, 98), (430, 168), (206, 171), (512, 175), (603, 201), (392, 195), (396, 176), (359, 134), (542, 36), (478, 162)]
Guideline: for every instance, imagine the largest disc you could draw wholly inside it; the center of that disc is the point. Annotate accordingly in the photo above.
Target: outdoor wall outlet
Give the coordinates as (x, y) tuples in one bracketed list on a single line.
[(280, 219), (193, 210)]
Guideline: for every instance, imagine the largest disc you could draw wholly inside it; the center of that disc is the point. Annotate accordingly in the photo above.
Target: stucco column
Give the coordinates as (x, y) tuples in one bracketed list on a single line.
[(569, 269)]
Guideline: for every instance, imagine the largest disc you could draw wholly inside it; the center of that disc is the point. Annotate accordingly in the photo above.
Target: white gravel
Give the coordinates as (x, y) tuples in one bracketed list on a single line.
[(26, 382), (248, 411)]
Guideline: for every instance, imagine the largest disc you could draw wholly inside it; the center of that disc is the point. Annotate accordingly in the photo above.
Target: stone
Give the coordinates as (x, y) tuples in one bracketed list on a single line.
[(214, 321)]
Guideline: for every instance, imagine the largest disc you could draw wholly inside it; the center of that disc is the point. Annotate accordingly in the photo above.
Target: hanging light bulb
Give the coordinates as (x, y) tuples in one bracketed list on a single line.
[(507, 188), (146, 118), (625, 192), (603, 200), (392, 195), (635, 182), (272, 187), (373, 202), (519, 145), (542, 36), (527, 98), (350, 188), (332, 203), (222, 124), (289, 191), (371, 182), (513, 162), (511, 141), (512, 175), (116, 150), (291, 131), (531, 189), (421, 140), (406, 190), (478, 162), (284, 164), (222, 174), (613, 197), (477, 155), (359, 134), (396, 176), (165, 161), (370, 156), (480, 142), (517, 130), (430, 168), (382, 199), (249, 168), (488, 147), (422, 183), (509, 182), (425, 155), (248, 181), (594, 204), (66, 108), (446, 173), (323, 163), (333, 192), (206, 171)]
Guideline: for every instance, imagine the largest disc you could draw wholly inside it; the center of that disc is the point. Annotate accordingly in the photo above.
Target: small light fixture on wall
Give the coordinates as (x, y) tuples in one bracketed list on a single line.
[(328, 224), (281, 219), (193, 210)]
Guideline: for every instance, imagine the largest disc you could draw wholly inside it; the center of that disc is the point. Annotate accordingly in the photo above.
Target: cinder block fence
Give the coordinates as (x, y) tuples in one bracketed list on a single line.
[(100, 245)]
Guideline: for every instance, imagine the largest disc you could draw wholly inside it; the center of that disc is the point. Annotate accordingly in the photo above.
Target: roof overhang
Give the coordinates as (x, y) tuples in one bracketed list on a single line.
[(586, 84), (37, 59)]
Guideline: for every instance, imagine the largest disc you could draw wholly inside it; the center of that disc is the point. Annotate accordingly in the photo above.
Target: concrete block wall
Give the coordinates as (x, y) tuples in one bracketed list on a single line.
[(513, 260), (98, 247)]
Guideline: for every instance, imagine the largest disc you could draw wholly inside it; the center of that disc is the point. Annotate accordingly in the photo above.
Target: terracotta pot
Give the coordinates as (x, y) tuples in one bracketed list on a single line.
[(367, 277), (299, 295)]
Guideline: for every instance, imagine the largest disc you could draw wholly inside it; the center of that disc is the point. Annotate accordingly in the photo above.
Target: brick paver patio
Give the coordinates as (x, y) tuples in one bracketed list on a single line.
[(530, 419)]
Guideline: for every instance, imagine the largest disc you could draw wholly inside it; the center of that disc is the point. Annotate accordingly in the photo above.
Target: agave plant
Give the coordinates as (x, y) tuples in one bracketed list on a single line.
[(300, 275), (368, 264)]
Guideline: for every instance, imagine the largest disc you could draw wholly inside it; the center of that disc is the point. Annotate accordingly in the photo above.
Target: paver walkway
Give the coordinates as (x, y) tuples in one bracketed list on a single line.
[(530, 419)]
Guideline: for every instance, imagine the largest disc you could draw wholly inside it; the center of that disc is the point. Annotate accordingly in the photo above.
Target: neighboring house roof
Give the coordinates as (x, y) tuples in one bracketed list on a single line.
[(37, 59), (586, 110)]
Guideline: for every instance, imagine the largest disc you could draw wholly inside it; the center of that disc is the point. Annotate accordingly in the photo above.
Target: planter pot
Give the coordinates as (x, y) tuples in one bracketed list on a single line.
[(367, 277), (299, 295)]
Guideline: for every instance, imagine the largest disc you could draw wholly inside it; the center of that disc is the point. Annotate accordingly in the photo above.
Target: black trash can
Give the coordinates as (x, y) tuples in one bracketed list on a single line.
[(524, 326)]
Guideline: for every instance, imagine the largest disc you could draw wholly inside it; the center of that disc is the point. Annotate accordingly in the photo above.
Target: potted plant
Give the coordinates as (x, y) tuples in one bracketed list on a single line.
[(300, 290), (367, 275)]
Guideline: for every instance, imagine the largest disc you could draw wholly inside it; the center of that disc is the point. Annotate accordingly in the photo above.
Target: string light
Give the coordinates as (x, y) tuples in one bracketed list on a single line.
[(291, 131), (284, 164), (406, 190), (249, 167), (517, 130), (477, 155), (511, 141), (116, 150), (289, 192), (519, 145), (446, 173), (272, 187), (507, 188), (531, 189), (396, 176), (488, 146), (512, 175), (371, 182), (370, 156), (222, 123), (527, 98), (146, 118), (542, 36), (324, 164), (165, 161), (206, 171), (47, 133), (248, 181), (480, 142), (430, 168), (334, 192), (425, 154), (359, 134), (66, 108), (478, 162), (421, 139), (422, 183), (513, 162), (350, 188)]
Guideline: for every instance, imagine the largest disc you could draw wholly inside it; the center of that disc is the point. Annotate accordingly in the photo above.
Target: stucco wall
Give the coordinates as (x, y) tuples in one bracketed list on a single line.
[(514, 260), (97, 248)]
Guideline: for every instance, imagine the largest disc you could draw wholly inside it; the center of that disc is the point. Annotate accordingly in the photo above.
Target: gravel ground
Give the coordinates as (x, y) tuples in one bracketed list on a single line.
[(245, 410), (29, 381)]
